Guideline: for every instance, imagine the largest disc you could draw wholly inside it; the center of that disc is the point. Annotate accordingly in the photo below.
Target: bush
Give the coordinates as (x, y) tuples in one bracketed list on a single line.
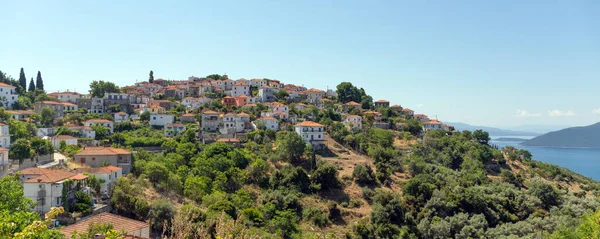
[(363, 174), (161, 214), (325, 177), (316, 216)]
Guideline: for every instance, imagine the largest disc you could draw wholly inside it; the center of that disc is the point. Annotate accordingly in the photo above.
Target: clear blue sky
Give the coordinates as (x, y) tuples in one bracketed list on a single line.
[(495, 63)]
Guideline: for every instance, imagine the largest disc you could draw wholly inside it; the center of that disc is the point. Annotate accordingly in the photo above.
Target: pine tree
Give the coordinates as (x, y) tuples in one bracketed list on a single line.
[(151, 79), (39, 84), (31, 85), (23, 79)]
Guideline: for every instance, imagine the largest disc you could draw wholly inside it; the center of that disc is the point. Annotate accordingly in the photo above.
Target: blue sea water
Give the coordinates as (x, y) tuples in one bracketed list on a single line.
[(585, 161)]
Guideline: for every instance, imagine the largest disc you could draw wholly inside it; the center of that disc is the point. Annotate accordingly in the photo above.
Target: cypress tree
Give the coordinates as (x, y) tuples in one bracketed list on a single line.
[(22, 79), (31, 85), (39, 84), (151, 79)]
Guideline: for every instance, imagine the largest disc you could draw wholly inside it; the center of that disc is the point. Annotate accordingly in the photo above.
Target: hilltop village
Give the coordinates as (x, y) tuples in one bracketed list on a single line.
[(213, 157)]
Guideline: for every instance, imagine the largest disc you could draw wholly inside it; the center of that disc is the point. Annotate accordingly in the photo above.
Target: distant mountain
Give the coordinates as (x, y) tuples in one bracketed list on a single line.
[(583, 137), (491, 130), (542, 129)]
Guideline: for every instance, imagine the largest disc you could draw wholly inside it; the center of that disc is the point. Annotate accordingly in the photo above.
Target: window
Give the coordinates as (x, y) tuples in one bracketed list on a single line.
[(42, 186), (82, 160), (93, 159), (58, 200)]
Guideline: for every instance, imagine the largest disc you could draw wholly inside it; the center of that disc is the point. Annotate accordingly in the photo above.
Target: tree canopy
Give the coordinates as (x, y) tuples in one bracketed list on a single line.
[(99, 88)]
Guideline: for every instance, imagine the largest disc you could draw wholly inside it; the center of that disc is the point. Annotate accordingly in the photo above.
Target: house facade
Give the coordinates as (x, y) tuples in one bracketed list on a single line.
[(8, 96), (45, 186), (312, 133), (4, 136), (161, 119), (96, 156), (353, 121), (110, 174), (100, 122), (210, 121)]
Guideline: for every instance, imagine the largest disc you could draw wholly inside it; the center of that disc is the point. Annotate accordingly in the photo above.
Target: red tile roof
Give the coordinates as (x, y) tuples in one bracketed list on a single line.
[(433, 122), (308, 124), (119, 223), (50, 175), (6, 85), (102, 151), (382, 101)]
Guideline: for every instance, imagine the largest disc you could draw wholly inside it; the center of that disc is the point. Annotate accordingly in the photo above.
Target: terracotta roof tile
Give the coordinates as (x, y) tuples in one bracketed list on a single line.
[(101, 170), (308, 124), (102, 151), (119, 223)]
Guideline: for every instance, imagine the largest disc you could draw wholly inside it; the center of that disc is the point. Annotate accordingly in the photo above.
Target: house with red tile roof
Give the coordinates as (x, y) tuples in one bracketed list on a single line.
[(381, 103), (96, 156), (110, 174), (100, 122), (432, 125), (313, 133), (45, 186), (129, 226)]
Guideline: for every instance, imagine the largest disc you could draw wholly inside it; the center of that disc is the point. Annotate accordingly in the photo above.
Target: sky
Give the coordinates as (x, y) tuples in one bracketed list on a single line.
[(492, 63)]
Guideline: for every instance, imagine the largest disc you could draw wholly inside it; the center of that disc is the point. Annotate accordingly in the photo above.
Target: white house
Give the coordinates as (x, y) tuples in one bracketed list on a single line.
[(110, 174), (4, 162), (421, 118), (312, 133), (20, 114), (240, 89), (174, 129), (314, 96), (8, 95), (66, 96), (228, 125), (242, 123), (45, 186), (270, 123), (353, 121), (121, 117), (432, 125), (161, 119), (210, 121), (101, 122), (70, 140), (258, 82), (265, 94), (4, 136), (84, 131)]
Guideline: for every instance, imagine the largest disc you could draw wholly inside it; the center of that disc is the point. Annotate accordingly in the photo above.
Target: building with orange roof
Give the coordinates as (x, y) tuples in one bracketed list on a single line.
[(228, 101), (45, 186), (376, 115), (58, 107), (110, 174), (188, 118), (408, 112), (210, 121), (396, 108), (268, 122), (19, 114), (167, 104), (8, 95), (432, 125), (121, 224), (314, 96), (96, 156), (100, 122), (381, 103), (313, 133), (421, 117), (66, 96)]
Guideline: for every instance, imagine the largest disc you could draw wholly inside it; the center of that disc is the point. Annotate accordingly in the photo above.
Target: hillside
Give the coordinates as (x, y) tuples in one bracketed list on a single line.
[(584, 137), (496, 132)]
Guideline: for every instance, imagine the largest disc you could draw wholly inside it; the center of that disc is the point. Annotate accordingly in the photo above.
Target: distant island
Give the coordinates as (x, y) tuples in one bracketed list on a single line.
[(510, 139), (491, 130), (575, 137)]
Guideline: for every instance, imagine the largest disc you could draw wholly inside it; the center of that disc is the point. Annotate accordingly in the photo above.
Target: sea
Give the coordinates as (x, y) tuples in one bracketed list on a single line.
[(585, 161)]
